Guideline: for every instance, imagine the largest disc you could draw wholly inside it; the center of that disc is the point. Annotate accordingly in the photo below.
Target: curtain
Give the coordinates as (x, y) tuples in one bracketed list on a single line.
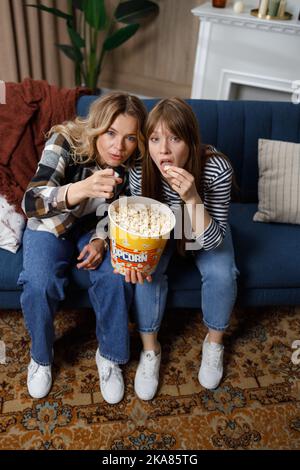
[(27, 43)]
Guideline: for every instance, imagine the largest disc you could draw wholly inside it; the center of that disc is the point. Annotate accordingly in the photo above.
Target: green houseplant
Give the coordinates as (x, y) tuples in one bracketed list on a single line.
[(88, 23)]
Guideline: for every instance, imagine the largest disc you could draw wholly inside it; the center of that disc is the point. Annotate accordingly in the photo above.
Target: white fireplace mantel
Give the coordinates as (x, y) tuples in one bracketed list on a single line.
[(244, 20), (243, 49)]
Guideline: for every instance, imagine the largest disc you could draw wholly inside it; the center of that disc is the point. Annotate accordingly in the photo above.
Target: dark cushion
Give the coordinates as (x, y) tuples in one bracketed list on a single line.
[(267, 254), (10, 268)]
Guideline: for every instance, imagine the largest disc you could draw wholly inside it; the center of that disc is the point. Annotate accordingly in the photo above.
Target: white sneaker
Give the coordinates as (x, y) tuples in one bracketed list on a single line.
[(147, 375), (39, 379), (211, 369), (111, 379)]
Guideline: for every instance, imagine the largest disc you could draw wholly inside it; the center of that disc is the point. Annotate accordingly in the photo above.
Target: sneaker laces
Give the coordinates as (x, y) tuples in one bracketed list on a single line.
[(33, 367), (39, 370), (149, 363), (213, 356), (107, 370)]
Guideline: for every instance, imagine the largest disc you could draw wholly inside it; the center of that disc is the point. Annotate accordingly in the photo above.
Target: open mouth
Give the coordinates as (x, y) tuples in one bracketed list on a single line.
[(165, 164)]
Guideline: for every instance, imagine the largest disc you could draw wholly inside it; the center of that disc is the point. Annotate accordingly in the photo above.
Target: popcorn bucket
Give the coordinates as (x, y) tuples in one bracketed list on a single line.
[(130, 249)]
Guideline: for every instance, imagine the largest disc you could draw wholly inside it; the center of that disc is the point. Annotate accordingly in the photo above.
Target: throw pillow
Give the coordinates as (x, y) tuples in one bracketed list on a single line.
[(279, 182)]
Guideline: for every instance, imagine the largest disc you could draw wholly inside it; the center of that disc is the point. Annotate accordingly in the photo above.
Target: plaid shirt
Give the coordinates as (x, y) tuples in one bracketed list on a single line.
[(44, 201)]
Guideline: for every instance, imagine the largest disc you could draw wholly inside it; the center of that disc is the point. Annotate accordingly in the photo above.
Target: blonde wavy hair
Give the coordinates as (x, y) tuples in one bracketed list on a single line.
[(82, 133)]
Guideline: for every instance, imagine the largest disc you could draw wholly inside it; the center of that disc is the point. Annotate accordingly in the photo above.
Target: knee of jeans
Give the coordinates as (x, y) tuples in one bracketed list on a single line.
[(221, 274), (40, 284)]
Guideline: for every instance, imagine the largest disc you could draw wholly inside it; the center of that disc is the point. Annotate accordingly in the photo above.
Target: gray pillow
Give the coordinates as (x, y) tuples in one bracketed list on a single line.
[(279, 182)]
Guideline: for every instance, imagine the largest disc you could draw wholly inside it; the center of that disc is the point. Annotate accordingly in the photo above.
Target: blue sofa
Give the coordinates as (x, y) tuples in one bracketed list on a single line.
[(267, 255)]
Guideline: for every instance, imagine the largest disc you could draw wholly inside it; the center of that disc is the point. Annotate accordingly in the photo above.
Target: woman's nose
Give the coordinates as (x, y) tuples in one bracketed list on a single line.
[(120, 144), (164, 148)]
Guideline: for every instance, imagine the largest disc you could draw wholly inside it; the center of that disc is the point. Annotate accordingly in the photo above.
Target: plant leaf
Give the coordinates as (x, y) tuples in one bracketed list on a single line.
[(120, 36), (132, 11), (94, 13), (54, 11), (71, 52), (76, 39)]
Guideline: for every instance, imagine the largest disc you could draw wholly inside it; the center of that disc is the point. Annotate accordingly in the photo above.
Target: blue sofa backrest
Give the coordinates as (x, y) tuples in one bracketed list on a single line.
[(234, 127)]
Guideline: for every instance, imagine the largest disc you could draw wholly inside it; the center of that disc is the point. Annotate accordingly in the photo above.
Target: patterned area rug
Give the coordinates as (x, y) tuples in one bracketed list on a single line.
[(257, 405)]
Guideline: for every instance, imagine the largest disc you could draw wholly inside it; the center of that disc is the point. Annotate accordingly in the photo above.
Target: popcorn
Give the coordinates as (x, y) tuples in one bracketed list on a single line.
[(146, 221), (139, 229)]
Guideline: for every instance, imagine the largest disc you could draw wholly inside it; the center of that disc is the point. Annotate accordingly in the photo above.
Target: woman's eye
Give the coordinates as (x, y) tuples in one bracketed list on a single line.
[(174, 139), (154, 139), (132, 138), (110, 132)]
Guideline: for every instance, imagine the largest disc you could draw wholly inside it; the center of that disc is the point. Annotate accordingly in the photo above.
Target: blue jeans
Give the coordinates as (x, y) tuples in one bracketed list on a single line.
[(46, 260), (218, 289)]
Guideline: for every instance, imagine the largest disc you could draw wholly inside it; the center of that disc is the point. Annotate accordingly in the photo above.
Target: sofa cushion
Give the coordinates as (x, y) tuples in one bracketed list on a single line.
[(279, 184), (255, 245), (183, 275), (266, 254), (177, 275), (10, 268)]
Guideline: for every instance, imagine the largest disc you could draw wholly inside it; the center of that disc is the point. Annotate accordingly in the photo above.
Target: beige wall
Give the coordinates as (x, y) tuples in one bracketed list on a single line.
[(157, 61)]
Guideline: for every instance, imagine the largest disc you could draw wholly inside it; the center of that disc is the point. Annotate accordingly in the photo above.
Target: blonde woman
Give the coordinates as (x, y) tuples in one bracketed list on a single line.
[(84, 164)]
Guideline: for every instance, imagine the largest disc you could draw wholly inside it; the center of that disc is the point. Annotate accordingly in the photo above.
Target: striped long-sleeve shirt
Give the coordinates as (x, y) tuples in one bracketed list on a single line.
[(44, 201), (216, 183)]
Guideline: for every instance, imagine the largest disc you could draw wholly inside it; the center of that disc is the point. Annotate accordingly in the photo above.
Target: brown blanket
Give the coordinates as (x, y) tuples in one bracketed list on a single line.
[(31, 108)]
